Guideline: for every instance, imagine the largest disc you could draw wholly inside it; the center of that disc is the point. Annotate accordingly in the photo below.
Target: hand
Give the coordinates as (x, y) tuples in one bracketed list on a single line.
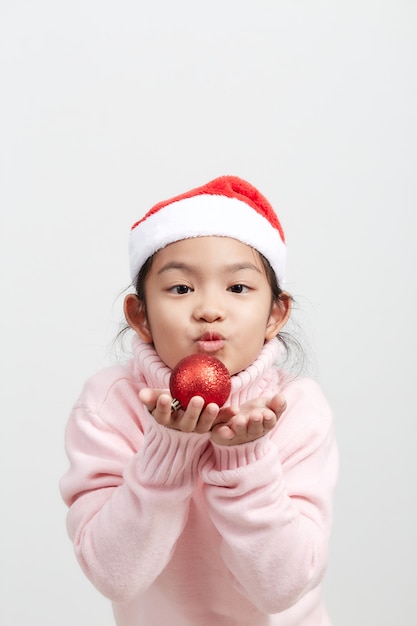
[(193, 419), (254, 419)]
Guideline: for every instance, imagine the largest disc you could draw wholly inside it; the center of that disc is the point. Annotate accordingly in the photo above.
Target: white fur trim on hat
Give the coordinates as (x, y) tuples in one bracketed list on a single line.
[(210, 214)]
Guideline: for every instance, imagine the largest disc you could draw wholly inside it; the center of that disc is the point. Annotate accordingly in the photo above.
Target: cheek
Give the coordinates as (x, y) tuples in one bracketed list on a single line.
[(258, 316), (165, 323)]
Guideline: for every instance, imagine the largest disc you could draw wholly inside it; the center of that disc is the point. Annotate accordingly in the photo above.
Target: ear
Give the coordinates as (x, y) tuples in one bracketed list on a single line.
[(279, 315), (135, 314)]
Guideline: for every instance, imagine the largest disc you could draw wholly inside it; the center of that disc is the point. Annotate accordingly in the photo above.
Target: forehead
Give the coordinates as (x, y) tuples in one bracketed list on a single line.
[(200, 246), (212, 251)]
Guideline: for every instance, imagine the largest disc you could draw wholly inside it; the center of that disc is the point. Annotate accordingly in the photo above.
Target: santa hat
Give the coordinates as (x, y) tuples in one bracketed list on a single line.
[(226, 206)]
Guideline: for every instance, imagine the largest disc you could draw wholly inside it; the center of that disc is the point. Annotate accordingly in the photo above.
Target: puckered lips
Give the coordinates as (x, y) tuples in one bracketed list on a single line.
[(210, 342)]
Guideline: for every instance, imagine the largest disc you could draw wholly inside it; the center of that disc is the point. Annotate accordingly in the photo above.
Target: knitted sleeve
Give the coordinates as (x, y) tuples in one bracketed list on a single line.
[(271, 501), (128, 489)]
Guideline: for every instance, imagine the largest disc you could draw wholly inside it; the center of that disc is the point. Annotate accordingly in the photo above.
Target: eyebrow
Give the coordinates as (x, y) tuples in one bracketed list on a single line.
[(174, 265), (232, 267)]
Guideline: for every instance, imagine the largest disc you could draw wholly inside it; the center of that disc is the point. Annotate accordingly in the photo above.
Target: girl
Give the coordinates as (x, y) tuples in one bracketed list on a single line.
[(208, 516)]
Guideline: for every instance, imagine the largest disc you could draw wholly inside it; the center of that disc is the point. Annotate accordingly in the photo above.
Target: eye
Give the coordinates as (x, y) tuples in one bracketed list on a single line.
[(239, 288), (180, 289)]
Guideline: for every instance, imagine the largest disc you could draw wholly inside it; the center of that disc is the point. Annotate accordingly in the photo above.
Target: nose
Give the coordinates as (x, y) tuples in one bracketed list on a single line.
[(209, 309)]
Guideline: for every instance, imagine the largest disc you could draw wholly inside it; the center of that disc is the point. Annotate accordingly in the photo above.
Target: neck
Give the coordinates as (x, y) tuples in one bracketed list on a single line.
[(248, 383)]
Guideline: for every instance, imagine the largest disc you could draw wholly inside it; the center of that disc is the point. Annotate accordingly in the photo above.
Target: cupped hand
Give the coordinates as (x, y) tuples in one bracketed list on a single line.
[(252, 420), (194, 419)]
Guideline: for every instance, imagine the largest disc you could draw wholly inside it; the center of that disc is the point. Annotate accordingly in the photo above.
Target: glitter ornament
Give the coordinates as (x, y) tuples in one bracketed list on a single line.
[(199, 375)]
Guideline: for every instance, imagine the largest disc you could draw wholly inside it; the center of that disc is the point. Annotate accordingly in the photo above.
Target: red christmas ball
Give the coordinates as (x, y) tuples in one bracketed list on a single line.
[(201, 375)]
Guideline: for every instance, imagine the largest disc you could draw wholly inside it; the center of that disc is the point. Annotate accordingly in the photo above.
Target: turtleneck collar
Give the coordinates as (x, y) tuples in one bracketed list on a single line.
[(249, 383)]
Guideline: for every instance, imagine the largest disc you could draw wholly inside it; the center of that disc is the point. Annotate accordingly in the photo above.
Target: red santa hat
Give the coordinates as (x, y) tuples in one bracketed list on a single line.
[(226, 206)]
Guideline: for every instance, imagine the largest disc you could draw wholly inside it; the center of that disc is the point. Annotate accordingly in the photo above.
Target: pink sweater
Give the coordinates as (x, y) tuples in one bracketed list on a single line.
[(178, 531)]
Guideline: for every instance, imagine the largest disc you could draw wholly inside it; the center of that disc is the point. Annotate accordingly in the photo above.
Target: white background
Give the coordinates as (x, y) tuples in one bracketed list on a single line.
[(108, 107)]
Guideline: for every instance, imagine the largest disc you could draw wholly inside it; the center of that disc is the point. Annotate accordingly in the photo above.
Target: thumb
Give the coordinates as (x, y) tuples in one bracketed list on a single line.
[(149, 397)]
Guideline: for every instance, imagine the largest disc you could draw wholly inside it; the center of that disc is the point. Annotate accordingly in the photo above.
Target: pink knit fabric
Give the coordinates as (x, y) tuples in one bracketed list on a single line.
[(176, 530)]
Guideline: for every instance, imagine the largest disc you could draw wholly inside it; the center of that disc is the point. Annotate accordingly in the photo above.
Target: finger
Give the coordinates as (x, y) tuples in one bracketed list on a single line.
[(239, 425), (162, 410), (225, 414), (269, 421), (188, 420), (148, 397), (222, 434), (278, 404), (255, 425), (207, 418)]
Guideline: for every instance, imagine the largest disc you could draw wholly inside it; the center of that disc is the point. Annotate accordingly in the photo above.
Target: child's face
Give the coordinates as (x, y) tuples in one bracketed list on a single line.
[(212, 295)]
